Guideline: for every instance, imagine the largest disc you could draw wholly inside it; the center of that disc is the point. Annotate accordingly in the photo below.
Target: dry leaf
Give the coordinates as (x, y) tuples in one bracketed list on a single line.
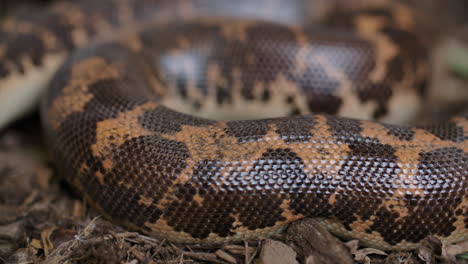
[(45, 239), (239, 250), (275, 252), (361, 254), (426, 254), (430, 248), (314, 243), (353, 245), (36, 243), (449, 252)]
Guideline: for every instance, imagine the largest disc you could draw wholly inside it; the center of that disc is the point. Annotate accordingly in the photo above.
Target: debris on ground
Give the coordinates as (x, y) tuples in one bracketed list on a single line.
[(314, 244)]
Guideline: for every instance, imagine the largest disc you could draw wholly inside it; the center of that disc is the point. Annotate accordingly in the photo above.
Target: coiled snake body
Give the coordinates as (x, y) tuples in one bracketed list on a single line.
[(115, 114)]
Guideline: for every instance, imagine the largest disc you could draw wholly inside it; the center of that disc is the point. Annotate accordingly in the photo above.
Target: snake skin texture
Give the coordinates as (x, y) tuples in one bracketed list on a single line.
[(118, 118)]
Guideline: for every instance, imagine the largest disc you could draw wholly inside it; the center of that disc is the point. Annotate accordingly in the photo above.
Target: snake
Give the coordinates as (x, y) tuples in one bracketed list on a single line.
[(214, 121)]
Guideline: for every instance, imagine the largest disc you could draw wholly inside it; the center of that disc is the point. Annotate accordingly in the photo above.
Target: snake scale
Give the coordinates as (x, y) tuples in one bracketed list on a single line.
[(117, 116)]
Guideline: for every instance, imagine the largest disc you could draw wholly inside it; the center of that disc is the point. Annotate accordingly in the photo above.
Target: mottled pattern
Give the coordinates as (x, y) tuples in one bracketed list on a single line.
[(192, 179)]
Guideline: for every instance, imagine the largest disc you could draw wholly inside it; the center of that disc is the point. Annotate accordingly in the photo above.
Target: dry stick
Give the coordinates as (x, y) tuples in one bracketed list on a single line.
[(224, 255), (246, 254), (255, 252), (204, 256)]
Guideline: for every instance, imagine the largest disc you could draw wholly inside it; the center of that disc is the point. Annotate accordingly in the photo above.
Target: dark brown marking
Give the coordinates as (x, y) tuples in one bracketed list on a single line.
[(248, 130), (325, 104), (188, 215), (295, 129), (166, 121), (290, 99), (21, 46), (266, 95), (369, 172), (345, 129), (223, 96), (438, 171), (292, 130), (122, 204), (447, 131), (401, 132), (157, 162), (4, 72)]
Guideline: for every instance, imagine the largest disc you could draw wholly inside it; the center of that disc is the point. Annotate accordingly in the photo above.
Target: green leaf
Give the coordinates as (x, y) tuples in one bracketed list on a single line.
[(457, 60), (463, 256)]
